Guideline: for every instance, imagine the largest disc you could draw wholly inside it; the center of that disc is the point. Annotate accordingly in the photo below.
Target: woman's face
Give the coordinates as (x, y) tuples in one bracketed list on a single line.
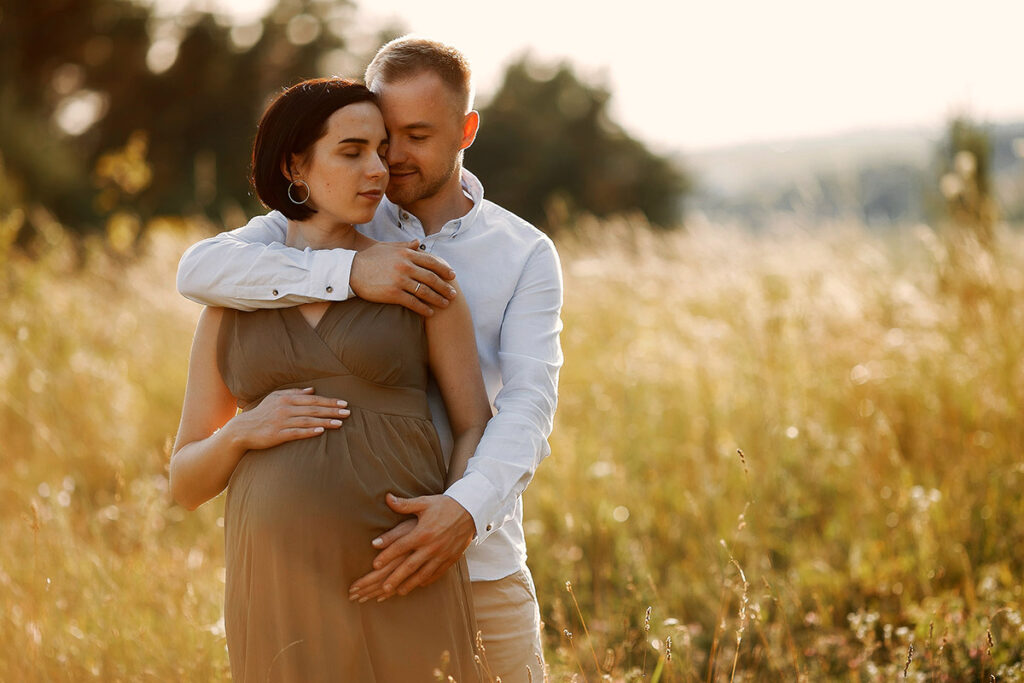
[(345, 169)]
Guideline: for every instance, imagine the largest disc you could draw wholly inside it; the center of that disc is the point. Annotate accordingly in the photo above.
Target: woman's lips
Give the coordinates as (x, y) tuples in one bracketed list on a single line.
[(374, 195)]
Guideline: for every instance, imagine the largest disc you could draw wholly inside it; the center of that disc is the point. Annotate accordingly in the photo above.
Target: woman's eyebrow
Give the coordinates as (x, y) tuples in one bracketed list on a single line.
[(361, 141)]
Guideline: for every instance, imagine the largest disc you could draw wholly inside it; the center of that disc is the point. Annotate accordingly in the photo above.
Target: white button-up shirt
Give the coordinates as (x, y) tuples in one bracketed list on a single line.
[(510, 275)]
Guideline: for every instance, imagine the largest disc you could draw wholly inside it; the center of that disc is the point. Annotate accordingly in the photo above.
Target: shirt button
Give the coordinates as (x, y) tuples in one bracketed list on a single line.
[(405, 216), (423, 247), (329, 289), (489, 527), (275, 292)]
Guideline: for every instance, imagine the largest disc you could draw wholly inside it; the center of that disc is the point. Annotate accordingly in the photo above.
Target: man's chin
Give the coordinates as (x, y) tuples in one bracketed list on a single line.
[(400, 195)]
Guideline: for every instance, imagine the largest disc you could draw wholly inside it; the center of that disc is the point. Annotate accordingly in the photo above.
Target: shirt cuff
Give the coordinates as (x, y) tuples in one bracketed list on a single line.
[(330, 273), (481, 500)]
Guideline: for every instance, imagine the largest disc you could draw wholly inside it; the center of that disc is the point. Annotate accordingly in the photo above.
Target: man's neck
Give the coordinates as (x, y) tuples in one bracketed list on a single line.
[(446, 205)]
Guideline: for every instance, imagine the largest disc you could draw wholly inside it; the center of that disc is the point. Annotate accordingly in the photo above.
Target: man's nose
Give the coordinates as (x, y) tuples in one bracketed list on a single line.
[(395, 153)]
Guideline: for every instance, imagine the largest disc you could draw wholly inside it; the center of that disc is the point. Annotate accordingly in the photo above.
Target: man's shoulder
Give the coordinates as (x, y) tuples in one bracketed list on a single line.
[(500, 220)]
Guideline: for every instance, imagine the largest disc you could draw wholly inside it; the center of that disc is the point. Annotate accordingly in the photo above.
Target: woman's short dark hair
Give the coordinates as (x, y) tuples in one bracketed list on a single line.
[(293, 122)]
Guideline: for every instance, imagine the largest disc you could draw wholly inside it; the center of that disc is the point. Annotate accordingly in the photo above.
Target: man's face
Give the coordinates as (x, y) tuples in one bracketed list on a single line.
[(425, 136)]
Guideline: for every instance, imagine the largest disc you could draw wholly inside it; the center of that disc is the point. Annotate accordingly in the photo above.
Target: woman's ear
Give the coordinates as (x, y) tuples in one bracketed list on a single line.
[(291, 168)]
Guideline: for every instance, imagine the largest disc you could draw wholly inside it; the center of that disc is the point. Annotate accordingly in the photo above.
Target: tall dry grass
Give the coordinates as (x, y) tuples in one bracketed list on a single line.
[(802, 451)]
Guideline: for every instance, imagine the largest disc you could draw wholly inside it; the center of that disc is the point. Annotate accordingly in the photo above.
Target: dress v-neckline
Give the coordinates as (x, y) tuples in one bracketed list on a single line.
[(315, 329)]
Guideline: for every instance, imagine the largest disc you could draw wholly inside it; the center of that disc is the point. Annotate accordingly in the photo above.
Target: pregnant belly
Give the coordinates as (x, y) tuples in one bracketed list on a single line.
[(335, 481)]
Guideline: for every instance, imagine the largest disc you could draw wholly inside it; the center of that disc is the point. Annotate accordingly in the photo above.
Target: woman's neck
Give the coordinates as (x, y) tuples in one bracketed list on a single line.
[(313, 235)]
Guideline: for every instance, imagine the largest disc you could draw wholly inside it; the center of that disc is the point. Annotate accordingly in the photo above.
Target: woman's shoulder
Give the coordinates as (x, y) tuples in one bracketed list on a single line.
[(210, 319)]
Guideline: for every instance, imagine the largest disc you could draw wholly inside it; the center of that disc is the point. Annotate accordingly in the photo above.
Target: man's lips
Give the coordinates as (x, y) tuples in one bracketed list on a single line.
[(401, 173)]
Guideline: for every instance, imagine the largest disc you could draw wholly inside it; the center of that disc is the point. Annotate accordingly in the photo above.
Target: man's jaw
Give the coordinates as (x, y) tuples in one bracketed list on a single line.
[(399, 182)]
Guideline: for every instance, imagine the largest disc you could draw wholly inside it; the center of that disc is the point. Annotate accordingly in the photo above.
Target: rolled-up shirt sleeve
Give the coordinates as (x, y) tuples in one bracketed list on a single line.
[(530, 356), (251, 268)]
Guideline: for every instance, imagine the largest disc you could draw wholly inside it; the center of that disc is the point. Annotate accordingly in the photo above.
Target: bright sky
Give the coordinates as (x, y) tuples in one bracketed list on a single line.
[(689, 75)]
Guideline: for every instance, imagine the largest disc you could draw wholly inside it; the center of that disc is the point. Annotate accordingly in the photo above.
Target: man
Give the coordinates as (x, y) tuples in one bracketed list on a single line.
[(510, 275)]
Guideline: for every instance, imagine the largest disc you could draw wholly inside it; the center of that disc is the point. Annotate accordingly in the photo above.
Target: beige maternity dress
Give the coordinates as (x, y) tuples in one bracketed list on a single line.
[(299, 517)]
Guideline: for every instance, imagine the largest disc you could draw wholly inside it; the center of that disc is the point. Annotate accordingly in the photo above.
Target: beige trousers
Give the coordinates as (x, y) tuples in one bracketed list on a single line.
[(508, 619)]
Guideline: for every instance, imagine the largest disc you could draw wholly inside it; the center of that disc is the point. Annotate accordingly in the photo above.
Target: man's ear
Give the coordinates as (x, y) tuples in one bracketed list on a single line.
[(470, 126)]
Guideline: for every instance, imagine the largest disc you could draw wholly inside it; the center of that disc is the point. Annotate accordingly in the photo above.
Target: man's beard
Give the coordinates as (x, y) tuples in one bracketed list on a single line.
[(410, 193)]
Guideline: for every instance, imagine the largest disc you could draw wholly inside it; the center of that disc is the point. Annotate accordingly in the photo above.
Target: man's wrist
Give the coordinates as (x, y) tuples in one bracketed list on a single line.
[(465, 517), (332, 273), (478, 497)]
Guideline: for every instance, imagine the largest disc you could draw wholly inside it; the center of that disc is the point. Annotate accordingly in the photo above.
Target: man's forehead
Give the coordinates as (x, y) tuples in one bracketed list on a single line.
[(423, 91)]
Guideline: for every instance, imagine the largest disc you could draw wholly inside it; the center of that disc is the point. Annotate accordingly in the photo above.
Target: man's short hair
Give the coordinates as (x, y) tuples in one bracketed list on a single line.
[(410, 56)]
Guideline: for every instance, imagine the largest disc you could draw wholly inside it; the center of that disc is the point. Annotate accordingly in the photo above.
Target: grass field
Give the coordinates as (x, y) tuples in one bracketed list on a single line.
[(801, 451)]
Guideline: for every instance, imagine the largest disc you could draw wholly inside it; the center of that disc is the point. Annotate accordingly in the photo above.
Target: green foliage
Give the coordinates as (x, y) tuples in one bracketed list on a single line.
[(181, 95), (965, 160), (197, 111), (547, 150)]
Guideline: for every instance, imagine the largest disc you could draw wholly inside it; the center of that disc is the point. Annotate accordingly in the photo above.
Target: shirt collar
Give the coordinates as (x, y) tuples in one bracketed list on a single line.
[(471, 187)]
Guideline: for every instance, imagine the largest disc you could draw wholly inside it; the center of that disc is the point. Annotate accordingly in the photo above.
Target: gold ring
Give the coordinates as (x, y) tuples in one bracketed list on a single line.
[(417, 287)]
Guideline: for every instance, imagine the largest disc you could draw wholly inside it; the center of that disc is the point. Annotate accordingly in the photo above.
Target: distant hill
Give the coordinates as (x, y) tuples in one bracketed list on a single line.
[(880, 177)]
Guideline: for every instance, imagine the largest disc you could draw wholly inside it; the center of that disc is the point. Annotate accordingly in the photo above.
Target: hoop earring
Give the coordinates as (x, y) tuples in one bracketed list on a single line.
[(294, 200)]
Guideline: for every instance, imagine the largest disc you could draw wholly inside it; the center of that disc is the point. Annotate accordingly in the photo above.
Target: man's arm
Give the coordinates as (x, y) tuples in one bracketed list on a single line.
[(251, 268), (513, 445), (515, 440)]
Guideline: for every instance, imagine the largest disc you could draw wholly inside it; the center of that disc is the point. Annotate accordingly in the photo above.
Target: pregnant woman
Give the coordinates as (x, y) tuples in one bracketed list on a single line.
[(306, 495)]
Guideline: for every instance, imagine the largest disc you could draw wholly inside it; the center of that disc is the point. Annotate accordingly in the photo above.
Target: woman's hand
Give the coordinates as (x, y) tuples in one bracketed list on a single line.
[(213, 437), (287, 415)]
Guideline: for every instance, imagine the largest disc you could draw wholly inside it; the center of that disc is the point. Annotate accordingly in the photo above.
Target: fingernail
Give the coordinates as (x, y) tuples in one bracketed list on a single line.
[(387, 587), (362, 600), (318, 430), (377, 542), (451, 293), (343, 412), (343, 403), (354, 597), (335, 423), (382, 598)]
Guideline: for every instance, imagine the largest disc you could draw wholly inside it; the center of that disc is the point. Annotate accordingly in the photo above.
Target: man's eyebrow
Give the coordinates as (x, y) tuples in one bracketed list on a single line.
[(418, 124)]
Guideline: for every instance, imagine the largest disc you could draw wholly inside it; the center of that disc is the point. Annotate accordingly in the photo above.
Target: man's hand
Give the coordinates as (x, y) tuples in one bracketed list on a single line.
[(399, 273), (416, 552)]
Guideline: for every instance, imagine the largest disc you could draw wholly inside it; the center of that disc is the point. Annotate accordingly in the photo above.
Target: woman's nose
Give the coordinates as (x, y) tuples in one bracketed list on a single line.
[(378, 167)]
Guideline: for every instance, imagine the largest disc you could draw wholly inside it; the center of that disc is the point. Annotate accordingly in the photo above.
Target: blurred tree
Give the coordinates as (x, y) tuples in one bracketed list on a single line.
[(547, 148), (178, 96), (965, 166)]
